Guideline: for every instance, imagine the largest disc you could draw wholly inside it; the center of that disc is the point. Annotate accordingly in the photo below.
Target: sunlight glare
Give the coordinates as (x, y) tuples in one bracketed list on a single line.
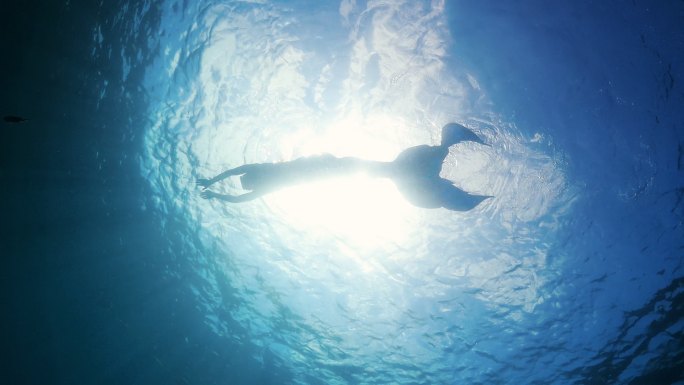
[(364, 211)]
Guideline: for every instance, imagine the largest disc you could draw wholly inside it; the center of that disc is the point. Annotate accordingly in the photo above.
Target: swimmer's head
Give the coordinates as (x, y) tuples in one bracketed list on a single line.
[(453, 133)]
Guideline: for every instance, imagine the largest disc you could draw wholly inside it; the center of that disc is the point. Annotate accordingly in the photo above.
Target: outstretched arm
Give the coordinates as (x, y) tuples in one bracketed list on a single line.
[(204, 183), (230, 198)]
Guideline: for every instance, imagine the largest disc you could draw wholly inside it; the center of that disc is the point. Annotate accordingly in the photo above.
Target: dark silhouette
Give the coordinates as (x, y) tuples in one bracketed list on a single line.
[(415, 172), (13, 119)]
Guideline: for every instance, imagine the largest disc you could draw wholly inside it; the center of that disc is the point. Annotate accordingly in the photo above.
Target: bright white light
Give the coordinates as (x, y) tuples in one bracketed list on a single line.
[(372, 137), (362, 211)]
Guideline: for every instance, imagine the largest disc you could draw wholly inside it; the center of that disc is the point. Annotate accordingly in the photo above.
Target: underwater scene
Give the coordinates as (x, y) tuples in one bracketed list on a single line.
[(342, 192)]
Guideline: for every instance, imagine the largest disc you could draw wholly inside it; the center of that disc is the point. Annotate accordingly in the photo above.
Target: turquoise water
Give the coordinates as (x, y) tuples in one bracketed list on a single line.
[(571, 274)]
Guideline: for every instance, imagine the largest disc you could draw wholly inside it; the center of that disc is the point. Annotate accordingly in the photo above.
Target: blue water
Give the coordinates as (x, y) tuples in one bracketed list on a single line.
[(117, 271)]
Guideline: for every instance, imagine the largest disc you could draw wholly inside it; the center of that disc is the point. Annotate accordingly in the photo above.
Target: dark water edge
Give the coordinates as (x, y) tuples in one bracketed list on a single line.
[(85, 296)]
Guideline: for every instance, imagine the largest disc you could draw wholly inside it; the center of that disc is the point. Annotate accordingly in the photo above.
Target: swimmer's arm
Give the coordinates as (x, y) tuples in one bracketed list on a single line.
[(204, 183), (230, 198)]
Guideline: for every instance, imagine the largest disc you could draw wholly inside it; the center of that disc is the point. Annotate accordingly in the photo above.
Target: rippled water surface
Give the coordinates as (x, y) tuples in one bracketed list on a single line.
[(570, 274), (345, 282)]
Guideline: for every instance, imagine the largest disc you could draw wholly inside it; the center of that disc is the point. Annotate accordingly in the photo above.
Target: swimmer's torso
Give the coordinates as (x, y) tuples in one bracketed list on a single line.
[(420, 162)]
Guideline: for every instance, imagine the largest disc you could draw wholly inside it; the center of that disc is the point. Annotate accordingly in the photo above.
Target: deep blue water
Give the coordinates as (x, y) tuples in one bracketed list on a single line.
[(116, 271)]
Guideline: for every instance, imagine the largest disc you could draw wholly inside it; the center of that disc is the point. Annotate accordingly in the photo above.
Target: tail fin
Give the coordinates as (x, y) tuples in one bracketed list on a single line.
[(453, 133)]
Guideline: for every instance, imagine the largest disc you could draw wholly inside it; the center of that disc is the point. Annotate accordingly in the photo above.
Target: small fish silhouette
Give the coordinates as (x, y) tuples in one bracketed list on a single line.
[(14, 119)]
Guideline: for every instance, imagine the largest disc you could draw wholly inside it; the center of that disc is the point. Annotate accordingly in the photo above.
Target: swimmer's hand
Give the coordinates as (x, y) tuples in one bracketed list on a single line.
[(204, 183), (206, 194)]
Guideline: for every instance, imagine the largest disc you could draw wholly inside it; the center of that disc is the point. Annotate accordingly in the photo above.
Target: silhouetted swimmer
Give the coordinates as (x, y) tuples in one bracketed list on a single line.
[(415, 172), (14, 119)]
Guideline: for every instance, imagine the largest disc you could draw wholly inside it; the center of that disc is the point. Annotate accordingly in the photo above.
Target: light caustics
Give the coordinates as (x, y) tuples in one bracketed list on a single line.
[(349, 257)]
